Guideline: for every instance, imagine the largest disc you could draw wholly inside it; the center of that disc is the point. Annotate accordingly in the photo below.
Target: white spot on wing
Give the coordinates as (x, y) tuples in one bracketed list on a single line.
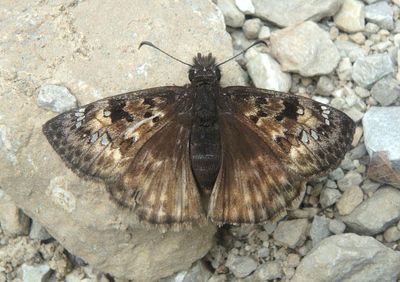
[(304, 137)]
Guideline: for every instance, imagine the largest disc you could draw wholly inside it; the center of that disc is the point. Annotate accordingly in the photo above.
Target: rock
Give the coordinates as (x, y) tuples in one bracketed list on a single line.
[(291, 12), (270, 227), (241, 266), (355, 114), (266, 73), (376, 213), (264, 33), (367, 70), (350, 199), (344, 69), (239, 41), (263, 252), (352, 178), (349, 257), (233, 16), (392, 234), (336, 226), (292, 47), (380, 13), (319, 229), (351, 16), (37, 232), (13, 221), (369, 186), (291, 233), (35, 273), (386, 91), (325, 86), (270, 270), (251, 28), (245, 6), (350, 50), (336, 174), (96, 59), (293, 260), (328, 197), (198, 272), (382, 132), (55, 98)]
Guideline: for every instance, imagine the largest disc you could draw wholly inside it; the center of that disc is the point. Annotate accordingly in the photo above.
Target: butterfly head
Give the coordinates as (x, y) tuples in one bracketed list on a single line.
[(204, 70)]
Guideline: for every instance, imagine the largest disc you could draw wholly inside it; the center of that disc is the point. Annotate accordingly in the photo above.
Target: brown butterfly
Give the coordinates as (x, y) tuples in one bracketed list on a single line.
[(182, 155)]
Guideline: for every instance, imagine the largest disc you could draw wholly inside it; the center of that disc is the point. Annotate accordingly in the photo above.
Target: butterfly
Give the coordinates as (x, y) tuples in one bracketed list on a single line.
[(183, 155)]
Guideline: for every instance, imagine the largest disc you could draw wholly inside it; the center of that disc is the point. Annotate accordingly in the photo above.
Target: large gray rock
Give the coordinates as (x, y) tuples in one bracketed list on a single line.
[(266, 73), (68, 45), (291, 233), (367, 70), (382, 131), (380, 13), (290, 12), (233, 16), (349, 257), (305, 49), (376, 213), (386, 91)]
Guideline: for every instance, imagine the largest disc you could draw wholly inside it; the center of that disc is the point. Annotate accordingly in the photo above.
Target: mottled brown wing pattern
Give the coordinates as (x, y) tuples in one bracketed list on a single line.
[(284, 141), (109, 138), (308, 137), (253, 186)]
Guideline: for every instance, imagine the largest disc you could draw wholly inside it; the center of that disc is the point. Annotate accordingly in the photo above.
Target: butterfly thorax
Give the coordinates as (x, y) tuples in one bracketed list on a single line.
[(205, 136)]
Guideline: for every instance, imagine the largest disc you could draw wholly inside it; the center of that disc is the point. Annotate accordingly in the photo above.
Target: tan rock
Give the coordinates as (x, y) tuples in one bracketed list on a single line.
[(91, 48)]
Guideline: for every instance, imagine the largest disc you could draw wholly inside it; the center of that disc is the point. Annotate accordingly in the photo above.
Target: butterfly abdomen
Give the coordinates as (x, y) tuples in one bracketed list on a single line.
[(205, 147)]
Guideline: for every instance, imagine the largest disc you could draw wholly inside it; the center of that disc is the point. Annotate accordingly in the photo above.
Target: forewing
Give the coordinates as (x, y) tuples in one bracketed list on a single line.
[(284, 141), (308, 137), (110, 138)]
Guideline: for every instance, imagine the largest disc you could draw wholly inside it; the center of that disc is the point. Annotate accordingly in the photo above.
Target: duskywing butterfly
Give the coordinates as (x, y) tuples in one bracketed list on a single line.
[(184, 154)]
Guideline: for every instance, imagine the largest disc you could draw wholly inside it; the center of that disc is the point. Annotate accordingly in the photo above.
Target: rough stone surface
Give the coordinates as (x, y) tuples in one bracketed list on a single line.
[(68, 45), (319, 229), (268, 271), (349, 257), (233, 16), (35, 273), (305, 49), (251, 28), (246, 6), (380, 13), (290, 12), (266, 73), (350, 199), (386, 91), (366, 219), (392, 234), (12, 220), (241, 266), (291, 233), (382, 131), (55, 98), (367, 70), (336, 226), (352, 178), (351, 16), (348, 49), (328, 197), (37, 232)]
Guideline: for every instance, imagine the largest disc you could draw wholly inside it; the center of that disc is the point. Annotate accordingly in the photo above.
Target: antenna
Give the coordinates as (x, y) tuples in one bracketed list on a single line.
[(147, 43), (244, 51)]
